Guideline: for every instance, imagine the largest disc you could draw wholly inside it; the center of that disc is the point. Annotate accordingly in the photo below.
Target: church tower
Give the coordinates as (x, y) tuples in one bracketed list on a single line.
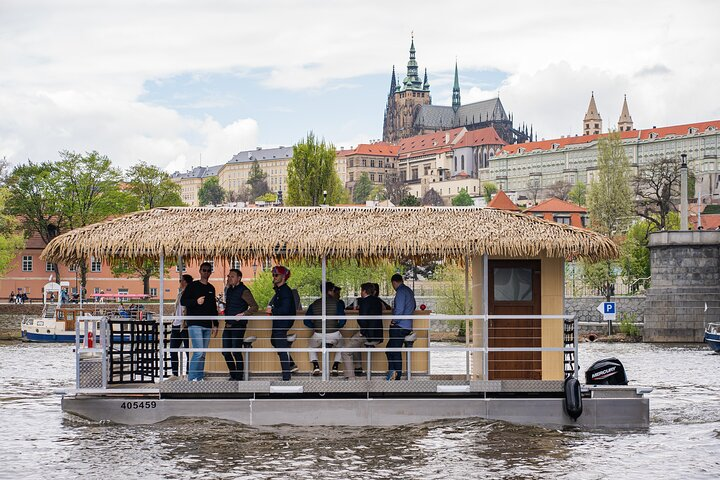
[(625, 123), (456, 91), (404, 100), (592, 123)]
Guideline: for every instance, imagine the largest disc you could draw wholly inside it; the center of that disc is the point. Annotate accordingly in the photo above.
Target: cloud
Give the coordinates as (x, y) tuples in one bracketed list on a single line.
[(653, 70)]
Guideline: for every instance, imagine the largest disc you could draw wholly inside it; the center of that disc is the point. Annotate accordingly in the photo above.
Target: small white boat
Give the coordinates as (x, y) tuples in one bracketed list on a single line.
[(57, 322), (712, 336)]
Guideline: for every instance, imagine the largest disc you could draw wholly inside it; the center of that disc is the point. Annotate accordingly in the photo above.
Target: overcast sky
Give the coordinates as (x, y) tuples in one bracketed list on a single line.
[(174, 82)]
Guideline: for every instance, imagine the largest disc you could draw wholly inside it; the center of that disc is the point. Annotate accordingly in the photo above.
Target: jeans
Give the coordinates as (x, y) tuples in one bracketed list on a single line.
[(178, 339), (233, 335), (394, 359), (279, 340), (200, 338)]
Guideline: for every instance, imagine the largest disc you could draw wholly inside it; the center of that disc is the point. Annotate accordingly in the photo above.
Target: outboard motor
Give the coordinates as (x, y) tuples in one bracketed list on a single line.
[(608, 371)]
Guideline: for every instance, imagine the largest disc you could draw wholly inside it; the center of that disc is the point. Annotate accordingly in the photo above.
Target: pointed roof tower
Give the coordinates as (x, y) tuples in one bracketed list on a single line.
[(592, 123), (456, 91), (426, 85), (625, 123), (393, 82), (502, 202)]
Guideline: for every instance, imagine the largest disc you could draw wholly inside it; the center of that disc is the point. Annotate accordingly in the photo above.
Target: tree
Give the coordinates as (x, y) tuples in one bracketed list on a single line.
[(534, 189), (463, 199), (560, 189), (11, 238), (363, 188), (410, 201), (634, 252), (489, 189), (145, 269), (395, 189), (90, 192), (312, 178), (657, 188), (432, 198), (577, 194), (34, 196), (152, 187), (257, 179), (211, 193), (610, 197)]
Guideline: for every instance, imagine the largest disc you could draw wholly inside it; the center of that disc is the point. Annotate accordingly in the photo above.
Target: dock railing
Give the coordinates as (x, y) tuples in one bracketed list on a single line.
[(128, 351)]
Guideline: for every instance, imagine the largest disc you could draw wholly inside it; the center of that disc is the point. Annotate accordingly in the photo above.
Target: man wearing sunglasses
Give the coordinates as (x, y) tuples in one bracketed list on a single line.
[(199, 299)]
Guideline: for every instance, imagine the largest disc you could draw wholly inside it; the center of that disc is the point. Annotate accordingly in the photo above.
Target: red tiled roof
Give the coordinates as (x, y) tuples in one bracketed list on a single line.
[(380, 149), (638, 134), (709, 221), (483, 136), (429, 141), (502, 202), (555, 205)]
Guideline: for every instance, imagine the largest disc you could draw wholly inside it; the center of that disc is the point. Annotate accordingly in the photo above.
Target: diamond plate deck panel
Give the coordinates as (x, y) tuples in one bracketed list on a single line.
[(521, 386)]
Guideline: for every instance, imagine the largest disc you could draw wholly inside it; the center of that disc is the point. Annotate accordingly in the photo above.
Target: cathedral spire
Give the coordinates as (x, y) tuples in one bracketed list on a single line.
[(426, 85), (412, 80), (625, 124), (393, 82), (456, 91)]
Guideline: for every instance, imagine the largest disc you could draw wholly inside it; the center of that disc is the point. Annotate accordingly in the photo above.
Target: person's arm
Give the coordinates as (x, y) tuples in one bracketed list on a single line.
[(212, 308), (341, 311), (252, 304), (188, 300), (308, 322)]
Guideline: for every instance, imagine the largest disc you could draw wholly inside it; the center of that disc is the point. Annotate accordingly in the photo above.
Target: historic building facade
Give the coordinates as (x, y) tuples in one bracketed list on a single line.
[(378, 160), (409, 110)]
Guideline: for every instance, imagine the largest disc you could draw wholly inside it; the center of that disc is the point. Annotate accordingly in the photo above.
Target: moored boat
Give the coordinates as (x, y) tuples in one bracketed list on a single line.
[(57, 321), (712, 336)]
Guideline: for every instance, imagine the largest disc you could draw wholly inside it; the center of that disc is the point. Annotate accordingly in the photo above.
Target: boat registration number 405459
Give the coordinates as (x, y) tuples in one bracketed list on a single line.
[(136, 405)]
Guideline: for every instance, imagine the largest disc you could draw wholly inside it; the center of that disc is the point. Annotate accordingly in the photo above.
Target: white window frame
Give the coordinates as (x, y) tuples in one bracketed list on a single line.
[(49, 267), (27, 263), (95, 265)]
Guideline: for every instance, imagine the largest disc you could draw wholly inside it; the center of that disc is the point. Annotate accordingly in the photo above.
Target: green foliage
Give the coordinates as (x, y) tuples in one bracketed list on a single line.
[(635, 255), (600, 275), (152, 187), (578, 194), (257, 179), (610, 198), (211, 193), (262, 288), (311, 172), (410, 201), (450, 291), (363, 188), (268, 197), (463, 199), (11, 240), (627, 325), (489, 189)]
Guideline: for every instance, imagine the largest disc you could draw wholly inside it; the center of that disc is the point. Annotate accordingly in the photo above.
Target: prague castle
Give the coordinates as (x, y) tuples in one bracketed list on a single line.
[(410, 112)]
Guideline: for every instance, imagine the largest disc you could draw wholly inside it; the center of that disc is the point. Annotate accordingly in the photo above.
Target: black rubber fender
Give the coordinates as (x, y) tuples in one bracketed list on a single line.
[(573, 398)]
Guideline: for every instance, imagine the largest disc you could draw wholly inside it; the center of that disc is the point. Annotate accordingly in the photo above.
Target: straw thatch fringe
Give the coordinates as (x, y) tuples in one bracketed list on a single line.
[(336, 232)]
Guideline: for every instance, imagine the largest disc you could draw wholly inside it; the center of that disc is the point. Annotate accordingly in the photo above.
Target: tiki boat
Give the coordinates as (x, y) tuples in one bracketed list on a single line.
[(519, 364)]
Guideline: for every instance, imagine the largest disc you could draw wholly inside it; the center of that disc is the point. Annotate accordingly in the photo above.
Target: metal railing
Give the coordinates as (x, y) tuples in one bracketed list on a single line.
[(130, 351)]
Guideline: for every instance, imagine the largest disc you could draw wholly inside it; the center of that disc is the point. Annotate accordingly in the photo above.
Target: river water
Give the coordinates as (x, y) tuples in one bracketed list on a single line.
[(683, 441)]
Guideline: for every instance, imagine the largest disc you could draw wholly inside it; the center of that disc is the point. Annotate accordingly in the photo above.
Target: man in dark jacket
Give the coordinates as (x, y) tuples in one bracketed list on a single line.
[(239, 302), (282, 304), (371, 329), (333, 307), (199, 300)]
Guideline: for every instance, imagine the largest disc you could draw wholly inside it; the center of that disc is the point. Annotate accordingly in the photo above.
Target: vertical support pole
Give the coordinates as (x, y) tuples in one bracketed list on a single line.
[(575, 346), (161, 326), (486, 307), (323, 293), (78, 346), (467, 321), (683, 193), (104, 351)]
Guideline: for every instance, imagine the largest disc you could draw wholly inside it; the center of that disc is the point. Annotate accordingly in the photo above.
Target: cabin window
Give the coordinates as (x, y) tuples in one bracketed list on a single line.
[(513, 284), (49, 267), (27, 263), (95, 265)]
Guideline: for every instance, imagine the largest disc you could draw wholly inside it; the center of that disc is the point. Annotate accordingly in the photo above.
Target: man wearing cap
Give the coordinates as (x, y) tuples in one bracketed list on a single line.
[(199, 300), (332, 326), (282, 304), (404, 304)]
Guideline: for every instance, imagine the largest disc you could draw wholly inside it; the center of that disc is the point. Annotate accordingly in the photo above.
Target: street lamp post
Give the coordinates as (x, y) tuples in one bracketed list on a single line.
[(683, 193)]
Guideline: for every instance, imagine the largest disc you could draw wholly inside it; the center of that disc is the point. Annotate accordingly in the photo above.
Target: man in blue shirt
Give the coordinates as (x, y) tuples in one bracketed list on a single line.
[(404, 304)]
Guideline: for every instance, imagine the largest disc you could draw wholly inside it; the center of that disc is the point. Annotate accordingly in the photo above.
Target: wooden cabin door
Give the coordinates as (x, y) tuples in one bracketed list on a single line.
[(514, 289)]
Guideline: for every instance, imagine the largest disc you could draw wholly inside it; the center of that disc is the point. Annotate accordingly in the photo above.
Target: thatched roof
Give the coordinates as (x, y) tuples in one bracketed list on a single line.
[(311, 232)]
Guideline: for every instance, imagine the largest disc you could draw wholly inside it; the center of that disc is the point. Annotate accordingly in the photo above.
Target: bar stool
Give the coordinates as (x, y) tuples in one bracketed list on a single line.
[(370, 344), (247, 344), (408, 342)]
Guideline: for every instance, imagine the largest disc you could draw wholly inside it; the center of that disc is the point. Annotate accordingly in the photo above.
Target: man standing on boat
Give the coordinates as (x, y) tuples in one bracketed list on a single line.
[(371, 329), (239, 302), (199, 299), (404, 304), (282, 304), (179, 333)]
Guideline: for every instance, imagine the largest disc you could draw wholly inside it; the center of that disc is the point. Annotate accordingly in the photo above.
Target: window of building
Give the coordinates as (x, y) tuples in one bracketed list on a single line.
[(597, 126), (97, 290), (372, 162), (27, 263), (123, 291), (177, 268), (456, 163), (364, 162), (95, 265), (426, 169), (380, 177), (235, 263), (564, 219), (72, 268), (153, 292), (372, 177), (350, 163), (49, 267), (352, 176), (462, 162), (414, 174)]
